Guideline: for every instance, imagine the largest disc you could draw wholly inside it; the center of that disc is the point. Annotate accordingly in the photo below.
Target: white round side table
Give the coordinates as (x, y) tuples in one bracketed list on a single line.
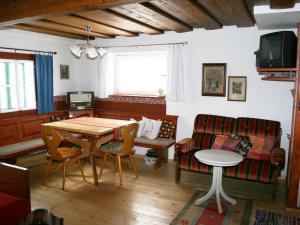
[(218, 159)]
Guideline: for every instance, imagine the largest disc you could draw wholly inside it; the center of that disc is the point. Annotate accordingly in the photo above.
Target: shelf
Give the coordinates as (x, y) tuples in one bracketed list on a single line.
[(279, 79), (278, 74), (264, 70)]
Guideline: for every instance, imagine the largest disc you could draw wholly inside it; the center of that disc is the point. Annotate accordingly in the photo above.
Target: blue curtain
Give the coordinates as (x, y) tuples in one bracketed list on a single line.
[(44, 83)]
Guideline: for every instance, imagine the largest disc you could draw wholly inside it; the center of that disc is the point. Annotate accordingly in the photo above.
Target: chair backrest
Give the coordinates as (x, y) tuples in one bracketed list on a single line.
[(128, 134), (52, 140)]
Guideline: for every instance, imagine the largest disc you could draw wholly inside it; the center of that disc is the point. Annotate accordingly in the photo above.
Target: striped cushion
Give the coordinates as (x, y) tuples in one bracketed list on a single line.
[(214, 124), (256, 170), (259, 127), (203, 141)]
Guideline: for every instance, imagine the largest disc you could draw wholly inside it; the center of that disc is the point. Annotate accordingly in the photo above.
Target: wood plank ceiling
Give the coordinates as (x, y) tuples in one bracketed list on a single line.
[(112, 18)]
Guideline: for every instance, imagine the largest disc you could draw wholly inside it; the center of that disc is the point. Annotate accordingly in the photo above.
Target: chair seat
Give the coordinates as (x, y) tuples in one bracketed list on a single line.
[(67, 152), (112, 147)]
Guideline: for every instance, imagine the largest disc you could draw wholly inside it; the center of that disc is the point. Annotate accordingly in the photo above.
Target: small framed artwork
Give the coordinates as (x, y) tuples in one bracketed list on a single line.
[(213, 79), (64, 72), (237, 87)]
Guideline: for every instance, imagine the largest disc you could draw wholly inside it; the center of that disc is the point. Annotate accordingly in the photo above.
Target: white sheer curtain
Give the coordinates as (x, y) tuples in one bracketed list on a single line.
[(101, 85), (175, 83)]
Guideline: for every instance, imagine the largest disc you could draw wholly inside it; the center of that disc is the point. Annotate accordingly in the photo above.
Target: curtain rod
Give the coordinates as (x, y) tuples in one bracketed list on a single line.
[(126, 46), (27, 50)]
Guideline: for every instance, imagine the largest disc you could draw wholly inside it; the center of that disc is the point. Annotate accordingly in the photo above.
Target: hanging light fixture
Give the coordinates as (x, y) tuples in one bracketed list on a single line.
[(92, 52)]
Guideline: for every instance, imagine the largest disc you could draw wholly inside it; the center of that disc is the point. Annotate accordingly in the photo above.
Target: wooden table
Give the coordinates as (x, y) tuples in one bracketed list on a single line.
[(218, 159), (97, 131)]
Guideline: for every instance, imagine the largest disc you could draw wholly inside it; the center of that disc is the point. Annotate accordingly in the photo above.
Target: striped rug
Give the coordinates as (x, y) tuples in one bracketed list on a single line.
[(207, 213), (274, 218)]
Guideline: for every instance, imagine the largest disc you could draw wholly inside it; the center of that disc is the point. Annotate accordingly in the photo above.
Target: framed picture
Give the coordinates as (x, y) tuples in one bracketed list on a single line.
[(64, 72), (213, 79), (237, 87)]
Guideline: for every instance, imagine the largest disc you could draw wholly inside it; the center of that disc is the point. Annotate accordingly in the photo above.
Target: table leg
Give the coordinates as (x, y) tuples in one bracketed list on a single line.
[(216, 188), (162, 156), (210, 192)]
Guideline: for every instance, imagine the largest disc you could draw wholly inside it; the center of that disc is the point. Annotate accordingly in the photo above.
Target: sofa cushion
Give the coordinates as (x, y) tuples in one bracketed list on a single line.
[(261, 148), (203, 141), (248, 169), (244, 146), (167, 129), (214, 124), (258, 127), (225, 142)]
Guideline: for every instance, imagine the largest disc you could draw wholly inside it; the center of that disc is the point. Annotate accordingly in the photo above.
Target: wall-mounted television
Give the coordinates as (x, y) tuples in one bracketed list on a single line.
[(278, 50), (80, 100)]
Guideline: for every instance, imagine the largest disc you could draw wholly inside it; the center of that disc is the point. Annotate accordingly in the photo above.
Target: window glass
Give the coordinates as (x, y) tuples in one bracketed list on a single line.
[(139, 73), (17, 86)]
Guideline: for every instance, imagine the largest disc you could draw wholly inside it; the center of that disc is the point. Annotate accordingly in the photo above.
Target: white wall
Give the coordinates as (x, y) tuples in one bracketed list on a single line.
[(29, 40), (234, 46)]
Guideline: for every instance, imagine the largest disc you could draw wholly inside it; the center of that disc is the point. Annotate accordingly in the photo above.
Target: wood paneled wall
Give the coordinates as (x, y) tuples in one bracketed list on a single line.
[(16, 127), (25, 125)]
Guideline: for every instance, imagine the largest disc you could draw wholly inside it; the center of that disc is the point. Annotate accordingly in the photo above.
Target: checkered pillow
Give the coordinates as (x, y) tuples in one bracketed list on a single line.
[(167, 130)]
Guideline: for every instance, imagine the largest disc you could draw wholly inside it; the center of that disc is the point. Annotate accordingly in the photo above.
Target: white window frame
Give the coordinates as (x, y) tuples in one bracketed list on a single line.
[(18, 86), (115, 82)]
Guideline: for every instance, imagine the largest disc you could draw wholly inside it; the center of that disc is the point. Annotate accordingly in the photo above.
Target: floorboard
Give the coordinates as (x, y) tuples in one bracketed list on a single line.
[(153, 198)]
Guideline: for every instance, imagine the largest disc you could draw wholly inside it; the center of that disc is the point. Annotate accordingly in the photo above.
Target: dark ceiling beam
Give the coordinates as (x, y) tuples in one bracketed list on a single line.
[(24, 11), (276, 4), (48, 31), (182, 26), (44, 24), (280, 4), (142, 26)]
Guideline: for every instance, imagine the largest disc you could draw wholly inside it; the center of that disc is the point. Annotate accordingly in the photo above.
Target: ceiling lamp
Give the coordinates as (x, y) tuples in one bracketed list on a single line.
[(92, 52)]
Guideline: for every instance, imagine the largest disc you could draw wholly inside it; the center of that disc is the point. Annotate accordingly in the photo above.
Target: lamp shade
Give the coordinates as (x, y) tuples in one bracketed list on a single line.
[(76, 50), (91, 52), (101, 51)]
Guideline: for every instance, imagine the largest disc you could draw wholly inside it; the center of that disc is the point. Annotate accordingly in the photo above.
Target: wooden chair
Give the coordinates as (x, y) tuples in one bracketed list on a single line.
[(118, 149), (64, 156)]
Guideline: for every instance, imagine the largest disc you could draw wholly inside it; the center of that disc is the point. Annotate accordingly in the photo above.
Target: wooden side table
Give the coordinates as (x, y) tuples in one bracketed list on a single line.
[(218, 159)]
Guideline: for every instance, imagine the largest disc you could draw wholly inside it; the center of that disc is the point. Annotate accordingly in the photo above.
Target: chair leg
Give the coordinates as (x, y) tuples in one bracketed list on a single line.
[(47, 170), (64, 175), (103, 164), (80, 168), (177, 175), (133, 165), (118, 158)]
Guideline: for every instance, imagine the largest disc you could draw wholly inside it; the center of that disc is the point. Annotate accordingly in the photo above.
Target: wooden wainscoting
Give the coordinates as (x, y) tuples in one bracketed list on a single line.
[(15, 127)]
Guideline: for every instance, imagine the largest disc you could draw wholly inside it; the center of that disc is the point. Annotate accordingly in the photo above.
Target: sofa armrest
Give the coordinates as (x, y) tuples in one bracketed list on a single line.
[(185, 145), (278, 157)]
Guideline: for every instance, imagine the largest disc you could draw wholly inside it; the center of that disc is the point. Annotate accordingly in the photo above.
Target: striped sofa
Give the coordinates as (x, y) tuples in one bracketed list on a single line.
[(208, 127)]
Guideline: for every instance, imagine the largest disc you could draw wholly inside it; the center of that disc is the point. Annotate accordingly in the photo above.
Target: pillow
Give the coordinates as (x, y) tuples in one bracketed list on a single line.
[(151, 128), (244, 146), (261, 149), (141, 127), (167, 130), (225, 142)]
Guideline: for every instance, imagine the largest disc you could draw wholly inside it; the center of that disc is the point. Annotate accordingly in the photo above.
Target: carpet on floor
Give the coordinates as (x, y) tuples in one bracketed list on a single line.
[(274, 218), (207, 212)]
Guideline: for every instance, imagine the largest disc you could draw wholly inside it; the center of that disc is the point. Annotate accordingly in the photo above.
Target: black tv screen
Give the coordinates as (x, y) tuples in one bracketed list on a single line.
[(278, 50)]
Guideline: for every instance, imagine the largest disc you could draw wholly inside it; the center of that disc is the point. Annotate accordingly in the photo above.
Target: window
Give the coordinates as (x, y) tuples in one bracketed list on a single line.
[(139, 73), (17, 86)]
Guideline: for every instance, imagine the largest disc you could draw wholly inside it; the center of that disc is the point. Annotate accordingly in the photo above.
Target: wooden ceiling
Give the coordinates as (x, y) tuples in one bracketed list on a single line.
[(110, 18)]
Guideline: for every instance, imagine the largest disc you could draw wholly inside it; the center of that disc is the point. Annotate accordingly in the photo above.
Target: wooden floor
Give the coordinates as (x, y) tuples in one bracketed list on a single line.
[(153, 198)]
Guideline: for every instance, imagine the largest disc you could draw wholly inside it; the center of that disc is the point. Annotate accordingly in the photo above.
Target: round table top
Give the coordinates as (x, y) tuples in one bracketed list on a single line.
[(215, 157)]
